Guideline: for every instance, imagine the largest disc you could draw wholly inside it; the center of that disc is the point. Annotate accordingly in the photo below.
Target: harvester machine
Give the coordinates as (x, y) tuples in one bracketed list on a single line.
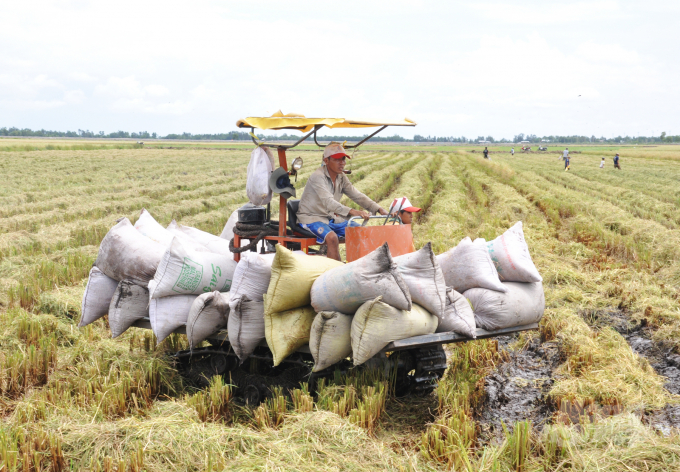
[(415, 363)]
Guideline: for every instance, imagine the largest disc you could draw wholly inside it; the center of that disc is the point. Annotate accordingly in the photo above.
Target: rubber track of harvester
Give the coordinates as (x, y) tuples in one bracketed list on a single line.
[(419, 370), (430, 367)]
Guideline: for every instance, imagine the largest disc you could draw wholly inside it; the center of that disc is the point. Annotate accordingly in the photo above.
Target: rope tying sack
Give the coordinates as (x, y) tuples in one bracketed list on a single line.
[(255, 233)]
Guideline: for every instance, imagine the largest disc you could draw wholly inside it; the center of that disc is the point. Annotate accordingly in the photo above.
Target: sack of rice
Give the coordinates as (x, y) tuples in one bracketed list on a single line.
[(152, 229), (245, 326), (347, 287), (209, 315), (424, 279), (330, 339), (458, 316), (469, 265), (130, 303), (169, 313), (376, 324), (251, 277), (521, 304), (288, 331), (187, 272), (125, 253), (510, 254), (292, 278), (97, 297), (228, 230), (149, 227), (211, 242)]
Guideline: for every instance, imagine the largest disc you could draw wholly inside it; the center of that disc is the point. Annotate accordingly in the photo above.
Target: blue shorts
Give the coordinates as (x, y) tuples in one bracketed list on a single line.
[(321, 230)]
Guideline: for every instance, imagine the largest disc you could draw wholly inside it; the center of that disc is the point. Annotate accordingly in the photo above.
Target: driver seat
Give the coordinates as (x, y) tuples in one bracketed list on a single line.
[(292, 207)]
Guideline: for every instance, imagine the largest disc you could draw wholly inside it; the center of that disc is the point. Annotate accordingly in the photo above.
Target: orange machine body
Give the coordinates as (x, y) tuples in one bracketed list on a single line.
[(362, 240)]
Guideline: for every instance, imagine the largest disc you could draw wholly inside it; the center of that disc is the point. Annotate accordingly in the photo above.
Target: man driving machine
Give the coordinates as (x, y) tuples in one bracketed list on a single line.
[(320, 210)]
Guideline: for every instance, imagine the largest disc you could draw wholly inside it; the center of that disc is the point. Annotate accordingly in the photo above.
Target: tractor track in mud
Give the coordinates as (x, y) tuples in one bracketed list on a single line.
[(518, 389), (640, 338)]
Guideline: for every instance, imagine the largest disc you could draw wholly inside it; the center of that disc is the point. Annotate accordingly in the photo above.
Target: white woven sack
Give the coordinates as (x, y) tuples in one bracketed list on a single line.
[(469, 265), (130, 303), (346, 288), (228, 230), (424, 279), (97, 297), (458, 316), (211, 242), (259, 170), (330, 339), (251, 277), (510, 254), (168, 314), (376, 324), (125, 253), (246, 326), (521, 304), (209, 314), (152, 229), (183, 271)]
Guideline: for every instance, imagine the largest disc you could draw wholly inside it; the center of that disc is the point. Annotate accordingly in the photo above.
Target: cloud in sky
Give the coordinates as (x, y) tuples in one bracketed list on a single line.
[(494, 68), (529, 13)]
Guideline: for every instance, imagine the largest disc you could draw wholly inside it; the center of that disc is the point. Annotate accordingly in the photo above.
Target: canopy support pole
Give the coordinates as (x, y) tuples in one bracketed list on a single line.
[(365, 139), (282, 201), (350, 146), (287, 146)]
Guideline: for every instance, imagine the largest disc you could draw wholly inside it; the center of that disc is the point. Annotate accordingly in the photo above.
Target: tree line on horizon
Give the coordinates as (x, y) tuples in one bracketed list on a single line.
[(242, 135)]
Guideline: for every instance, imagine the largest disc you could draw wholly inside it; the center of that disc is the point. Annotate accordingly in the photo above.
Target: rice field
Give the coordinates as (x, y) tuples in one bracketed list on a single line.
[(605, 241)]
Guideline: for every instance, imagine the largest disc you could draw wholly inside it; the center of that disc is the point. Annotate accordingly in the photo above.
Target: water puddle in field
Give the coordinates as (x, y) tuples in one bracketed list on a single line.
[(517, 390), (640, 338)]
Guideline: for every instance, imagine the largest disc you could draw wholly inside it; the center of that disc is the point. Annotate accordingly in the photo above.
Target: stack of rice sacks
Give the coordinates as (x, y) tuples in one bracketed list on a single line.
[(183, 278), (164, 274), (498, 278)]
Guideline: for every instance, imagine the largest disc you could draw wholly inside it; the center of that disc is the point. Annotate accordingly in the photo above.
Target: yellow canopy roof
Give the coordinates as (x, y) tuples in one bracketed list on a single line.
[(299, 122)]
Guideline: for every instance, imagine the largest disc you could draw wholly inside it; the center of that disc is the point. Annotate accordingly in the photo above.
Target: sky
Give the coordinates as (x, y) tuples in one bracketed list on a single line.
[(601, 67)]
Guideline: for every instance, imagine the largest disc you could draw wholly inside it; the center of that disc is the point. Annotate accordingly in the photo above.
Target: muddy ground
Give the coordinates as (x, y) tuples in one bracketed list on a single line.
[(518, 389), (660, 357)]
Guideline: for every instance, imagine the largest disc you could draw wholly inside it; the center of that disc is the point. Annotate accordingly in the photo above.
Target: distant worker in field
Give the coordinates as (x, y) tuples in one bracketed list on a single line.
[(512, 151), (602, 163), (486, 153), (616, 162), (320, 210), (402, 208), (565, 154), (566, 163)]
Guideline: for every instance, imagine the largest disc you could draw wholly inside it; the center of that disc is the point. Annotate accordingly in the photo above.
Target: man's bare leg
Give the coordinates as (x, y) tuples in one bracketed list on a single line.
[(333, 245)]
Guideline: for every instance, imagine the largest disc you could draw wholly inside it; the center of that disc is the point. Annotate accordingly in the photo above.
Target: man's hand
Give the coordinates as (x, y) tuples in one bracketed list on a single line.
[(363, 214), (382, 212)]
